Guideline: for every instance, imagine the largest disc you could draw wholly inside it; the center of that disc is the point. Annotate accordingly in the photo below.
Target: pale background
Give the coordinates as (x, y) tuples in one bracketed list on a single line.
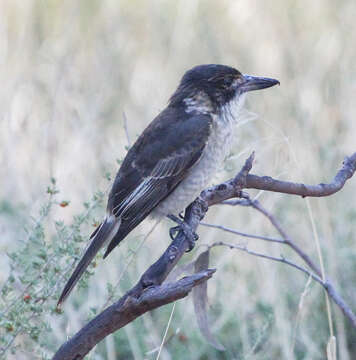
[(68, 72)]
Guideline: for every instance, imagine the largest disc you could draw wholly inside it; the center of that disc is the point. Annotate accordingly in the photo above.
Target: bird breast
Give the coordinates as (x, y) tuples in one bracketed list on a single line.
[(201, 174)]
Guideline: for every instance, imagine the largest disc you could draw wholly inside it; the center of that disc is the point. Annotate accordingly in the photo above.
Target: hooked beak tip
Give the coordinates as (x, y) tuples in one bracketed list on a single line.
[(257, 83)]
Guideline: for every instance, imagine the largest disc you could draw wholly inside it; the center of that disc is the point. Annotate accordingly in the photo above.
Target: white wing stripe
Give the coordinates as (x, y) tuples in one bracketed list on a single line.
[(138, 193), (164, 168)]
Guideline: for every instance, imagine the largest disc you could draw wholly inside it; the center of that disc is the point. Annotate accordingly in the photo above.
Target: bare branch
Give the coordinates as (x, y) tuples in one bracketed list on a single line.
[(235, 232), (267, 183), (287, 240), (328, 285), (281, 259), (232, 188), (226, 193), (128, 308), (330, 289), (148, 293)]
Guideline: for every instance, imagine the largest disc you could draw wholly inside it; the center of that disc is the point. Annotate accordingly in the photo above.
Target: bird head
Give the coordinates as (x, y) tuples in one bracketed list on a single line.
[(218, 84)]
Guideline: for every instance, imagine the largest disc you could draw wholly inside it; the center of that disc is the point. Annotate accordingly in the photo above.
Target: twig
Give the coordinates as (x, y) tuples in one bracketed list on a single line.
[(267, 183), (126, 129), (148, 293), (257, 205), (235, 232), (281, 259), (328, 285)]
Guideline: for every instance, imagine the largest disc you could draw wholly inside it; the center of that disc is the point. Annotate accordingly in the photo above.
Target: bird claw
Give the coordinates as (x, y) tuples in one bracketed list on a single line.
[(187, 230)]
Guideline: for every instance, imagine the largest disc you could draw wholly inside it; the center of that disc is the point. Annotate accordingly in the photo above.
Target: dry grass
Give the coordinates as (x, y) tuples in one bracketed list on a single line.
[(69, 69)]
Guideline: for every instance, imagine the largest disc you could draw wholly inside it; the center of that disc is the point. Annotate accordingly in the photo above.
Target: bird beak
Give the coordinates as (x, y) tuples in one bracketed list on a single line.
[(256, 83)]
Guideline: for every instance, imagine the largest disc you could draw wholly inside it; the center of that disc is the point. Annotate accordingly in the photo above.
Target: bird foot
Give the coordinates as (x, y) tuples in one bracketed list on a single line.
[(187, 230)]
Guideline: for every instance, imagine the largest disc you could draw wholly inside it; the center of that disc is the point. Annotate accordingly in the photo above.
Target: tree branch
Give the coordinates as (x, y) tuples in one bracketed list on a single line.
[(269, 184), (148, 293), (235, 232), (327, 284), (127, 309), (281, 259)]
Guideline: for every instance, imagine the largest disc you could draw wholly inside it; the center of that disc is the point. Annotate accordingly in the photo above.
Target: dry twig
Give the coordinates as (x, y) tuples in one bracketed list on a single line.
[(148, 293)]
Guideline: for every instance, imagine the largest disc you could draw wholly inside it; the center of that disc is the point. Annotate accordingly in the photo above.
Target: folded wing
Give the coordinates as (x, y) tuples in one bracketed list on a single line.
[(154, 166), (157, 163)]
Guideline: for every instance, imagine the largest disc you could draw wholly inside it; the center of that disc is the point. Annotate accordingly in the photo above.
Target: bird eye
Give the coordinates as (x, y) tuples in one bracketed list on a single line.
[(227, 81)]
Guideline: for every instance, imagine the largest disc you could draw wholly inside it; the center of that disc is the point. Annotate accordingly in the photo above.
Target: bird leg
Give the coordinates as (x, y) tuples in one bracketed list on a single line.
[(187, 230)]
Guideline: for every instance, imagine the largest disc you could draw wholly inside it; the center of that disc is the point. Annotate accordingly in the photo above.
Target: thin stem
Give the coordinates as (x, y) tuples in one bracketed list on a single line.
[(321, 261), (126, 129), (235, 232), (166, 331), (257, 205), (281, 259)]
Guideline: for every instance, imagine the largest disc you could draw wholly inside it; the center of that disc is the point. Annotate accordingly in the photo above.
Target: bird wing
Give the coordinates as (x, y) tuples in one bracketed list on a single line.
[(155, 165)]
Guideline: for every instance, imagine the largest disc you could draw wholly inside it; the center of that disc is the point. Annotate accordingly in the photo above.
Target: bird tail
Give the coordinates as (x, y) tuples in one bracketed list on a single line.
[(102, 235)]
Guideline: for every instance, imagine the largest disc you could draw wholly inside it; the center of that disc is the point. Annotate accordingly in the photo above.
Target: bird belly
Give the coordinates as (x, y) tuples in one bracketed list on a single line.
[(202, 173)]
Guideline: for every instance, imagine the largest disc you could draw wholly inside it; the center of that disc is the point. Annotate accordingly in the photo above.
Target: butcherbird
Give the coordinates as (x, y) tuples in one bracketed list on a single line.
[(175, 157)]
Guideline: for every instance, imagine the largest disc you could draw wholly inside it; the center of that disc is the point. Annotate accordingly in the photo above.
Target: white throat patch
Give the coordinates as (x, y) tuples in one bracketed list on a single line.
[(233, 111)]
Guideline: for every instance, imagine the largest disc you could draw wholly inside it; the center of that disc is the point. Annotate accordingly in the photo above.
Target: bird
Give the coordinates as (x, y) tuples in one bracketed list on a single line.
[(175, 157)]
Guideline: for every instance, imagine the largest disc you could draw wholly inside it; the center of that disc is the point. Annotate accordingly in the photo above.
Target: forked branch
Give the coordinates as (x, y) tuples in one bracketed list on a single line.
[(148, 293)]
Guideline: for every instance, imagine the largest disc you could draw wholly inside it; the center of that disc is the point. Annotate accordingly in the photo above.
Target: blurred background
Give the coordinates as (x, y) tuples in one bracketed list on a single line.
[(71, 71)]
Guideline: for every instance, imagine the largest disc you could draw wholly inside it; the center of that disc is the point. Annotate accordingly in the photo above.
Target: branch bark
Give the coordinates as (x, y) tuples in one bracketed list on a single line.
[(132, 305), (148, 293), (269, 184)]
